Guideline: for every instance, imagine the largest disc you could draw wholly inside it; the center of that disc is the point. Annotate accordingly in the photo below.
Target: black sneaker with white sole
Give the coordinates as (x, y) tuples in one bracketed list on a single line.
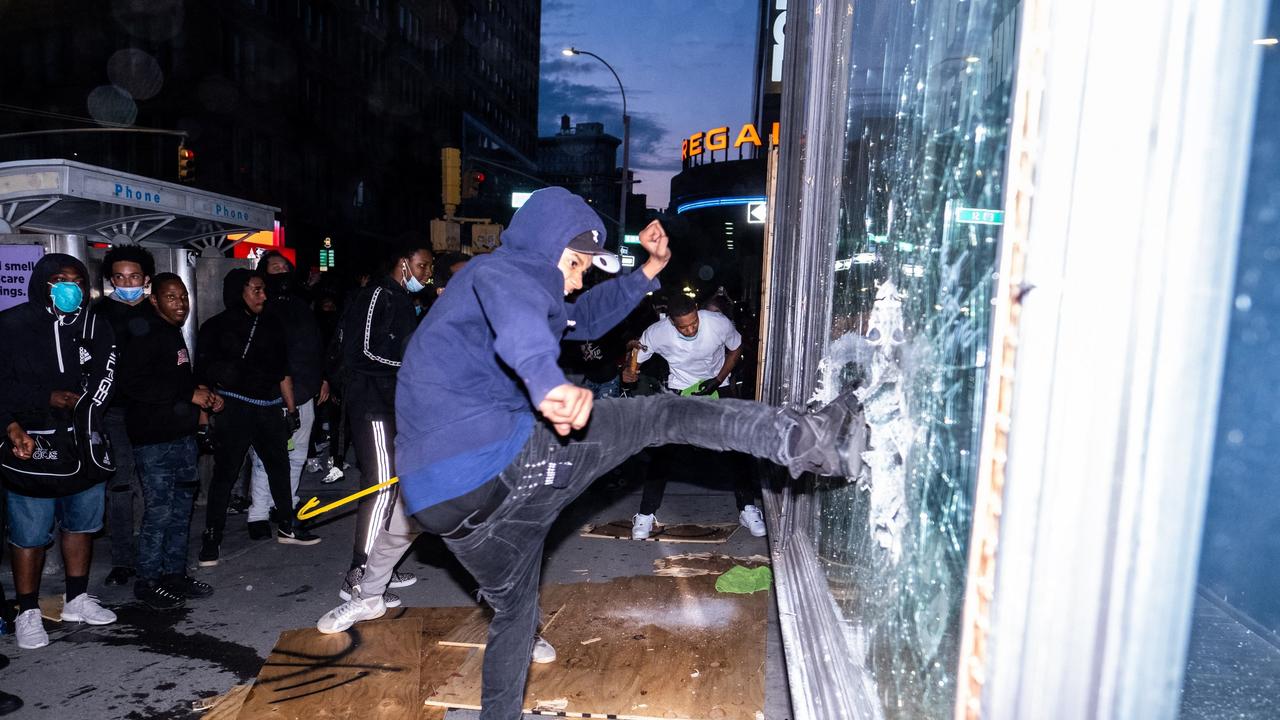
[(209, 543), (402, 579), (293, 535), (157, 597), (188, 587)]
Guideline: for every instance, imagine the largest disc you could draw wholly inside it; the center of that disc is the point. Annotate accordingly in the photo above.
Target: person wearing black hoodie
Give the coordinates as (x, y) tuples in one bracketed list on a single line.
[(57, 375), (370, 343), (494, 442), (242, 356), (162, 412), (129, 269), (306, 366)]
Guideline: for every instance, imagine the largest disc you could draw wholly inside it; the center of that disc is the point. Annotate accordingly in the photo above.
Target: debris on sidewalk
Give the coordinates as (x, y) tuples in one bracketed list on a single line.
[(744, 581)]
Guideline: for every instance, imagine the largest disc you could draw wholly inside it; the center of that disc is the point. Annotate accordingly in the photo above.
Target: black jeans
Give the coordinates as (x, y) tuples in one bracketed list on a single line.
[(667, 461), (238, 427), (504, 550), (123, 486)]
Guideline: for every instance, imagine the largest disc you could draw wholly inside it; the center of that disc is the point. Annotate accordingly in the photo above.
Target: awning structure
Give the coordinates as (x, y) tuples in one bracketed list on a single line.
[(65, 197)]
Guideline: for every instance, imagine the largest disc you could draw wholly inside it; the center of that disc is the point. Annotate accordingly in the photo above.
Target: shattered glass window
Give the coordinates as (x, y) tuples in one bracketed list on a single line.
[(927, 131)]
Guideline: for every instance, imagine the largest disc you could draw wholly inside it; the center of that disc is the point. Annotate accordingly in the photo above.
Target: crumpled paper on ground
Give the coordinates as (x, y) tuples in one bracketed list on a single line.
[(744, 581)]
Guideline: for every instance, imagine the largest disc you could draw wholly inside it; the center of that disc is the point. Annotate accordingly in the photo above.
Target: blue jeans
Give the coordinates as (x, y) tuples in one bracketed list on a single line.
[(504, 550), (607, 389), (31, 518), (169, 484)]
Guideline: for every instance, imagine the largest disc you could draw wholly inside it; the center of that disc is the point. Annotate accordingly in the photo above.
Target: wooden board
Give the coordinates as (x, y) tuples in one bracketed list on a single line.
[(51, 607), (225, 706), (684, 533), (473, 630), (438, 663), (372, 670), (703, 563), (643, 647)]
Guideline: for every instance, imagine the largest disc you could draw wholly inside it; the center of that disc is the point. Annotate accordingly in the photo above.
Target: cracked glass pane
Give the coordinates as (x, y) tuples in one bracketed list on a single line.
[(927, 131)]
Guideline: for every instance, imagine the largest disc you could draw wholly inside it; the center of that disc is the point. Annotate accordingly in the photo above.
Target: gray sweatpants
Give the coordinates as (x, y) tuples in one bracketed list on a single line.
[(389, 545)]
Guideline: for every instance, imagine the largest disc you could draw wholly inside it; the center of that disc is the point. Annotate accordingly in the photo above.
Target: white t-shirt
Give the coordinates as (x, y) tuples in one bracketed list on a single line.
[(695, 359)]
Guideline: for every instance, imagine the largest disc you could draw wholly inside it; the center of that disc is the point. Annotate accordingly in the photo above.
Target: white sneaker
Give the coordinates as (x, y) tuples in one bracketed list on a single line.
[(29, 627), (751, 519), (85, 608), (543, 652), (641, 526), (334, 475), (351, 612)]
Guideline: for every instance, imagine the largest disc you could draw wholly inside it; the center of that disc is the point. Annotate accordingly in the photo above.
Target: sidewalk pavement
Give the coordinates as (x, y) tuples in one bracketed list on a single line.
[(152, 665)]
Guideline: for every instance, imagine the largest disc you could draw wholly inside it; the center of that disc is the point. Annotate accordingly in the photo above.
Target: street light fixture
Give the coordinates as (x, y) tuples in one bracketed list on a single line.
[(626, 140)]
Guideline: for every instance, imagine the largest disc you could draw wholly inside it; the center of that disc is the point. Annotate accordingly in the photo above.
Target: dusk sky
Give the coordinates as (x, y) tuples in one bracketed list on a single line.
[(686, 66)]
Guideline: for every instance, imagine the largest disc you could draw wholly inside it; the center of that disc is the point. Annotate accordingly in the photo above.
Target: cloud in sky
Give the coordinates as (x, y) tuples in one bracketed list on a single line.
[(686, 67)]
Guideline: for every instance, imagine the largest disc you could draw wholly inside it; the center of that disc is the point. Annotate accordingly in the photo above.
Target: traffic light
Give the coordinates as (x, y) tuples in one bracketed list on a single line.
[(472, 181), (186, 164), (450, 180)]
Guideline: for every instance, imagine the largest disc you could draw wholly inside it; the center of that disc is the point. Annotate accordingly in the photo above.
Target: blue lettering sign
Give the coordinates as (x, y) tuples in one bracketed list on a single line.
[(228, 212), (132, 193)]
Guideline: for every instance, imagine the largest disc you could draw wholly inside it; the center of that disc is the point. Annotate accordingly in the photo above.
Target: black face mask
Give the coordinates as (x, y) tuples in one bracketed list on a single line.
[(279, 284)]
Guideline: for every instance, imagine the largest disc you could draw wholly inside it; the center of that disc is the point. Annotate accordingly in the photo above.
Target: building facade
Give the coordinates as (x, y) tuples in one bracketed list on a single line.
[(333, 110)]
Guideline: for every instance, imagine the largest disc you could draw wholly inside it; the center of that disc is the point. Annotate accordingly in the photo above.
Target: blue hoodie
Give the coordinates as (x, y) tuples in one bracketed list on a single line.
[(485, 356)]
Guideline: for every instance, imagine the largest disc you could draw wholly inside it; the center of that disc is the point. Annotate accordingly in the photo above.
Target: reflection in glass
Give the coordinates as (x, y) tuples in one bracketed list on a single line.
[(927, 135)]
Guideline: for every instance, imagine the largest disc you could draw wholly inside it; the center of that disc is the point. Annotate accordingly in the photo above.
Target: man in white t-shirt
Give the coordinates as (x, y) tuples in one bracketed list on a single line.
[(701, 347)]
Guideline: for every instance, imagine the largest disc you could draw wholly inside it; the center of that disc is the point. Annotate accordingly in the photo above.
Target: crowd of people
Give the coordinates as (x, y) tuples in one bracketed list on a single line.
[(490, 440)]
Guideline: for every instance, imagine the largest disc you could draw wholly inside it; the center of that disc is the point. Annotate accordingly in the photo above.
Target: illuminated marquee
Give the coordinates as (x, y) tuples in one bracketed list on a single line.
[(718, 139)]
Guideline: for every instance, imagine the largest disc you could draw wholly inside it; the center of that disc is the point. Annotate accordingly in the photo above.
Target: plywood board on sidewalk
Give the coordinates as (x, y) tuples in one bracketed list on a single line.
[(438, 663), (644, 647), (369, 671), (682, 533), (472, 631), (703, 563), (225, 706)]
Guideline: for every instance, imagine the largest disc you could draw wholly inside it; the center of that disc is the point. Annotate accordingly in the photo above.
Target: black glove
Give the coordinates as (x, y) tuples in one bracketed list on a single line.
[(292, 421), (204, 440), (706, 387)]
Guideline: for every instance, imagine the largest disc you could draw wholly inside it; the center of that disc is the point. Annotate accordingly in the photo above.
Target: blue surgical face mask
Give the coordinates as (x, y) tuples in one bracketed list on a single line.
[(411, 283), (130, 294), (66, 296)]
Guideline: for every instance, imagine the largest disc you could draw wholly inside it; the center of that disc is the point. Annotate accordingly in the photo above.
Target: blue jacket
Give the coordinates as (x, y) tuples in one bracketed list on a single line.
[(485, 356)]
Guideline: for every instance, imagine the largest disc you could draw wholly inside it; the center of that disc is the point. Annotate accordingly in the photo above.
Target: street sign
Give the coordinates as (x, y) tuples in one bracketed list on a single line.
[(631, 239), (16, 264), (757, 212), (518, 199), (979, 216)]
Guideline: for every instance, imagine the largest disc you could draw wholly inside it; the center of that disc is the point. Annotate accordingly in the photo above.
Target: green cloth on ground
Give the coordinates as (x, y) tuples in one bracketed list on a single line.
[(738, 579)]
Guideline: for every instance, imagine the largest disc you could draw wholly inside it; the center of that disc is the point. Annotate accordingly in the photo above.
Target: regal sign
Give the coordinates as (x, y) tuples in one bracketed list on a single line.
[(718, 139)]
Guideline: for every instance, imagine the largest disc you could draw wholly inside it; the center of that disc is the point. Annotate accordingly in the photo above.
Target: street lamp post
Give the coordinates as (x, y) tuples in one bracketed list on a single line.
[(626, 143)]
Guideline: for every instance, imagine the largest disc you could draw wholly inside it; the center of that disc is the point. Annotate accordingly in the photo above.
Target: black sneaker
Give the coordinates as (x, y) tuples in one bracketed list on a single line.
[(238, 504), (119, 576), (828, 441), (157, 596), (259, 530), (9, 703), (290, 535), (209, 543), (188, 587)]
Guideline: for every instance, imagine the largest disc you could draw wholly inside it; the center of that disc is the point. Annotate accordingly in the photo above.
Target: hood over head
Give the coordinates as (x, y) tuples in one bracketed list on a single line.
[(233, 288), (45, 268), (547, 222)]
